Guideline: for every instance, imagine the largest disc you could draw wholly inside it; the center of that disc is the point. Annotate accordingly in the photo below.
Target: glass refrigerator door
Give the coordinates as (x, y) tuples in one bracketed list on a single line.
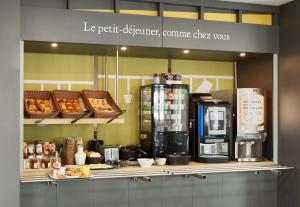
[(170, 107), (146, 119)]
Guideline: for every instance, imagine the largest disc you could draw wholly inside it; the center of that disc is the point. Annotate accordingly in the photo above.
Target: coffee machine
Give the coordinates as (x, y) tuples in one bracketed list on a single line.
[(249, 121), (210, 129)]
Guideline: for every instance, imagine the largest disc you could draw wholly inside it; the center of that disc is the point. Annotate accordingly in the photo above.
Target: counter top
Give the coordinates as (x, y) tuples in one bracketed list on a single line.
[(135, 171)]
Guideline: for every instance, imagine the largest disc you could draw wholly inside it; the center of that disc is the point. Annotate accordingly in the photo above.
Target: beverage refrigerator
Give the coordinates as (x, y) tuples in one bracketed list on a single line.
[(164, 112)]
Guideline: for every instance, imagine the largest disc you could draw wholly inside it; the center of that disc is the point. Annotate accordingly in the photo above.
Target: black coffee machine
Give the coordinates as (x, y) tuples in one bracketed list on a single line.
[(210, 129)]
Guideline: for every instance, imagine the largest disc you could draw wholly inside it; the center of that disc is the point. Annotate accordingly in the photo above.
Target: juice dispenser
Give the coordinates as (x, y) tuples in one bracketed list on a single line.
[(249, 109), (251, 124)]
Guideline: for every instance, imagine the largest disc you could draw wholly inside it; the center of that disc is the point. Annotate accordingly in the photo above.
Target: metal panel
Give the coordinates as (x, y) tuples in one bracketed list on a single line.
[(111, 192), (10, 102), (146, 194), (37, 195), (82, 27), (269, 189), (91, 4), (260, 69), (249, 189), (238, 37), (129, 4), (289, 101), (75, 193), (219, 5), (59, 4), (177, 191), (240, 189), (207, 192), (42, 24)]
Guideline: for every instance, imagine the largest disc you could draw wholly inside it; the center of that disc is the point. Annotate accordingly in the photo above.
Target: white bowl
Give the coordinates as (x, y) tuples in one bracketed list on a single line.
[(145, 162), (161, 161)]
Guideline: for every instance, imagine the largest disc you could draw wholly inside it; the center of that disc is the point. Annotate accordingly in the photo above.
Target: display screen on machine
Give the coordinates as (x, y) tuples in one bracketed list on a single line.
[(216, 120)]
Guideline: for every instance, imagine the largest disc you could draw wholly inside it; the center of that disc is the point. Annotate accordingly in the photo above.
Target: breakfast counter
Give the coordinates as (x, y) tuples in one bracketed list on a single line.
[(193, 168)]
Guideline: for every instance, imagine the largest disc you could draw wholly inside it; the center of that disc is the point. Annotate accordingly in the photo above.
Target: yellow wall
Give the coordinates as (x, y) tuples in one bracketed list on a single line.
[(263, 19), (80, 68)]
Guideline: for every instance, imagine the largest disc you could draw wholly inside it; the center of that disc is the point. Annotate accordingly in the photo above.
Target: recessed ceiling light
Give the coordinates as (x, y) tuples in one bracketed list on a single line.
[(54, 44), (123, 48), (186, 51), (242, 54)]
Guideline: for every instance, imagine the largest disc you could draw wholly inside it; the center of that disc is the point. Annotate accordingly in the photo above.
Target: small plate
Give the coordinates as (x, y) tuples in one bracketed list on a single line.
[(70, 177), (101, 166)]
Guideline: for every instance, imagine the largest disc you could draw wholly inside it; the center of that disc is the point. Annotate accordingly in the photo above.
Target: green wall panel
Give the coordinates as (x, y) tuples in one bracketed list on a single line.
[(58, 67)]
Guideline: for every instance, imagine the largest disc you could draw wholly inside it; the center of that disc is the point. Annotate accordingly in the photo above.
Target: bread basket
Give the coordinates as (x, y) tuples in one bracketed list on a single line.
[(102, 95), (42, 95), (70, 95)]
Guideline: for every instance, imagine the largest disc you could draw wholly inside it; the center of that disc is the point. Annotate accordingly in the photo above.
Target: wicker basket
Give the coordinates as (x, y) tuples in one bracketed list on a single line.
[(42, 95), (102, 95), (75, 95)]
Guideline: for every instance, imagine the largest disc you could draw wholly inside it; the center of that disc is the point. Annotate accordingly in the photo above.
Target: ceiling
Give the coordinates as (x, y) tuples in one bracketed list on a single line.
[(263, 2), (101, 50)]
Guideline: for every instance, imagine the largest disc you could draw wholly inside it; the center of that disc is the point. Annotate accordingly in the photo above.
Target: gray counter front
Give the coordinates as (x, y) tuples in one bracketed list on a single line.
[(215, 185), (245, 189)]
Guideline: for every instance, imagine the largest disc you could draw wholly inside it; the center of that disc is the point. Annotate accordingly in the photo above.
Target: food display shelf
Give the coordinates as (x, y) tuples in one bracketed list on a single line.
[(168, 170), (59, 121)]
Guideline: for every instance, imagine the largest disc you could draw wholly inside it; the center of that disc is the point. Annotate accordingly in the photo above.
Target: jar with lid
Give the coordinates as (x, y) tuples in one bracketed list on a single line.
[(38, 149), (30, 151), (52, 149), (46, 162), (156, 78), (46, 149), (69, 150), (34, 163), (25, 150)]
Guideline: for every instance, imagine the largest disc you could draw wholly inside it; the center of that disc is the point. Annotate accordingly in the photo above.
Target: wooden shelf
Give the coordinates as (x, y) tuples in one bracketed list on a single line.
[(58, 121)]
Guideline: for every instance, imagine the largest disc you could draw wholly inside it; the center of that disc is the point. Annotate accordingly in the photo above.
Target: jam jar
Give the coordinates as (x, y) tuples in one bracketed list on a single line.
[(38, 149)]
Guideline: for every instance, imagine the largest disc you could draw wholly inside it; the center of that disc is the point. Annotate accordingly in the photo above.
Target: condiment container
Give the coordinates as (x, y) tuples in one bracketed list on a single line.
[(46, 162), (52, 149), (69, 150), (80, 156), (38, 149), (34, 163), (25, 150), (156, 78), (30, 149), (46, 148)]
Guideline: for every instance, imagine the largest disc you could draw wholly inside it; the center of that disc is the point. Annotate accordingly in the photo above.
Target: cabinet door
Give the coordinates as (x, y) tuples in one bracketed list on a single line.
[(241, 189), (268, 188), (37, 195), (75, 193), (177, 191), (207, 192), (145, 194), (111, 192)]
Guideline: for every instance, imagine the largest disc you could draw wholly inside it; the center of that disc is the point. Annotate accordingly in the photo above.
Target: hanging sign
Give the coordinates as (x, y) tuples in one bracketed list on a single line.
[(40, 24)]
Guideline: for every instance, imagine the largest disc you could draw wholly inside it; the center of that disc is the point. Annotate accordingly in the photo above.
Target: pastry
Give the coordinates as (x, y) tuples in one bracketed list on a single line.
[(100, 105), (39, 106), (74, 172), (70, 105)]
